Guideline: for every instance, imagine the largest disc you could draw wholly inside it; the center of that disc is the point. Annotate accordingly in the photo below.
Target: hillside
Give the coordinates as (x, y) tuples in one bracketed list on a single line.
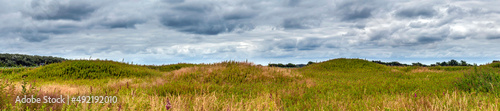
[(88, 69), (337, 84), (494, 65), (346, 65)]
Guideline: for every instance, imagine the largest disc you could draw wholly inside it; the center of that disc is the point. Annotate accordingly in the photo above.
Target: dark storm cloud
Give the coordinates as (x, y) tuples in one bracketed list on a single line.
[(416, 12), (54, 10)]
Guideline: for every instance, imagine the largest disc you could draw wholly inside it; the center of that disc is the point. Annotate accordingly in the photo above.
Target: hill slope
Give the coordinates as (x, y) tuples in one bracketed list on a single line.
[(347, 65), (88, 69)]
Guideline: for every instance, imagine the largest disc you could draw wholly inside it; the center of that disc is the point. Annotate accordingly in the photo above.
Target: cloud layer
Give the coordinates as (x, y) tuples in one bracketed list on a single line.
[(171, 31)]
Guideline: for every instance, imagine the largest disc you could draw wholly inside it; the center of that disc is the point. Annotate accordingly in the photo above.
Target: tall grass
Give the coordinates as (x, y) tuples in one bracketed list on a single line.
[(480, 81), (339, 84)]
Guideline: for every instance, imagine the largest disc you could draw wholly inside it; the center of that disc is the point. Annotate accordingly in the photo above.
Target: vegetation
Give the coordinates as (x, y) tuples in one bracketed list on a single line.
[(289, 65), (86, 69), (444, 63), (167, 68), (13, 60), (338, 84), (480, 81)]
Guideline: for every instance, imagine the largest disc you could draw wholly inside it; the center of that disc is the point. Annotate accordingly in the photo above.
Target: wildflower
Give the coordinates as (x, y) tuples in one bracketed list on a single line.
[(168, 106), (415, 94)]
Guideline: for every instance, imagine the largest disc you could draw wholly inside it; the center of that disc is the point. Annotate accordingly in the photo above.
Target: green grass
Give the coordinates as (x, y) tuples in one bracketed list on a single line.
[(85, 69), (167, 68), (338, 84), (450, 68)]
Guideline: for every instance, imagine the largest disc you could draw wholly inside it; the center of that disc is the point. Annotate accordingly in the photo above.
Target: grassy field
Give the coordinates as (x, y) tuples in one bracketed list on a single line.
[(338, 84)]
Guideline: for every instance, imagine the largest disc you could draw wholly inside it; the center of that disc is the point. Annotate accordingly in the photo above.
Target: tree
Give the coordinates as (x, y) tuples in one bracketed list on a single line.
[(453, 62), (444, 63), (463, 63), (310, 62), (417, 64), (439, 64), (290, 65)]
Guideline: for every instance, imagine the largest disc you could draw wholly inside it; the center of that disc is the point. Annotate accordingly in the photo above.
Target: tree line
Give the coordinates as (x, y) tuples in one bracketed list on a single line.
[(14, 60), (289, 65), (452, 62)]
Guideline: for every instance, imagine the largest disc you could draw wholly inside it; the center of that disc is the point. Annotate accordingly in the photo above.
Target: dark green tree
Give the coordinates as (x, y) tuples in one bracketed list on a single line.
[(310, 62), (453, 62)]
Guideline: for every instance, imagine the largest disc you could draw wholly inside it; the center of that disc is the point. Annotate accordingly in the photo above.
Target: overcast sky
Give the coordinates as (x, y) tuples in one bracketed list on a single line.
[(261, 31)]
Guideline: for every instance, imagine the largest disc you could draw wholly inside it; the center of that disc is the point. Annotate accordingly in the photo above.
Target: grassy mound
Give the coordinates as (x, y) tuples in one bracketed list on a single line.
[(494, 65), (232, 72), (87, 69), (171, 67), (347, 65)]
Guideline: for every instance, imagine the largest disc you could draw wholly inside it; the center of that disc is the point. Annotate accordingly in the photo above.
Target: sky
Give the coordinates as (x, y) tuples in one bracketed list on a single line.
[(261, 31)]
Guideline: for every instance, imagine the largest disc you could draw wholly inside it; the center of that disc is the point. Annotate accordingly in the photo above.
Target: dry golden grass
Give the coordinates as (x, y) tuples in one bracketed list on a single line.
[(65, 89), (199, 102), (424, 69), (449, 101)]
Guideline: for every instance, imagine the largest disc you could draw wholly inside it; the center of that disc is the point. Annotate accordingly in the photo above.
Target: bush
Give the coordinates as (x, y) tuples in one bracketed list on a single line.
[(484, 81)]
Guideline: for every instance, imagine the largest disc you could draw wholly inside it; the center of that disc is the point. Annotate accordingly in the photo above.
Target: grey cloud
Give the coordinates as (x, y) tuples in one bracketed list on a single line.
[(226, 49), (380, 34), (293, 2), (123, 23), (286, 44), (426, 40), (355, 10), (493, 37), (309, 43), (239, 14), (358, 14), (34, 37), (200, 18), (54, 10), (298, 44), (416, 12), (173, 1), (300, 23)]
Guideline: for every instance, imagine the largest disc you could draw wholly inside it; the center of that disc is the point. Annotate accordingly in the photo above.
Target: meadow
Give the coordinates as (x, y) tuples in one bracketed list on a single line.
[(337, 84)]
